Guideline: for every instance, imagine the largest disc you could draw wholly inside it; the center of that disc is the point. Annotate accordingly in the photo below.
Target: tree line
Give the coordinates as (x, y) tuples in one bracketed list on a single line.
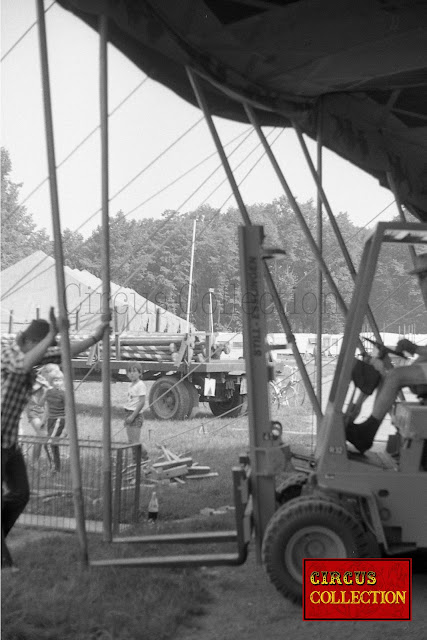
[(152, 256)]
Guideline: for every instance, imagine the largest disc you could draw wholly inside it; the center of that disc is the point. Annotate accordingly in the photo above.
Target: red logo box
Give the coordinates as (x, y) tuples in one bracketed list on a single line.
[(355, 589)]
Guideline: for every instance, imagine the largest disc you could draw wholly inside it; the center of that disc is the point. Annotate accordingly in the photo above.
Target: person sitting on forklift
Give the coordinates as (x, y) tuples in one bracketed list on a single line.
[(362, 435)]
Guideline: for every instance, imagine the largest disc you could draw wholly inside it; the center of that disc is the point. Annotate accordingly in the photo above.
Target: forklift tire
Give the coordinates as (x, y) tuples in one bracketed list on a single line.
[(308, 527), (170, 399), (290, 488), (230, 408)]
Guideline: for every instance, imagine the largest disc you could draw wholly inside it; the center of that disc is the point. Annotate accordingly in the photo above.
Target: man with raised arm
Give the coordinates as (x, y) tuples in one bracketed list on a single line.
[(34, 346)]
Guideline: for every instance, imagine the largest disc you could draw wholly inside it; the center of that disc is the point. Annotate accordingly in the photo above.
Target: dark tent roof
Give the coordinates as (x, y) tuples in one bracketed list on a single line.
[(360, 66)]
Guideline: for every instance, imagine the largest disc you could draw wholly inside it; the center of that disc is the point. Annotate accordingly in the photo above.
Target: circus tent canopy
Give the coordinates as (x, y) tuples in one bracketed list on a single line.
[(358, 67)]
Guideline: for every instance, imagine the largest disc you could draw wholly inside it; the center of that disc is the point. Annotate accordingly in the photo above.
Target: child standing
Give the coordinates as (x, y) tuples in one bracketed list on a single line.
[(35, 411), (55, 410), (133, 407)]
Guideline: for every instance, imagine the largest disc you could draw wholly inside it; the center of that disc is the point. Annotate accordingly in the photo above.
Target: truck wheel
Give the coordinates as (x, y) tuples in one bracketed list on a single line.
[(291, 487), (308, 527), (194, 396), (169, 399), (230, 408)]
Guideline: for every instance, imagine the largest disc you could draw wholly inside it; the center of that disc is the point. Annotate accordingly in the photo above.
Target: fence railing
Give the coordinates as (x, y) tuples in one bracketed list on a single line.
[(51, 492)]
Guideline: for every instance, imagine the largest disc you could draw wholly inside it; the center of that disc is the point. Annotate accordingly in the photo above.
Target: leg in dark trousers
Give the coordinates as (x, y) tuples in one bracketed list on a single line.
[(55, 427), (15, 495)]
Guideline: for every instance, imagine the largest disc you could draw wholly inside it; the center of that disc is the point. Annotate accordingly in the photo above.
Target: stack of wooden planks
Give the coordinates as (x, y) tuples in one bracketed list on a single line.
[(179, 468)]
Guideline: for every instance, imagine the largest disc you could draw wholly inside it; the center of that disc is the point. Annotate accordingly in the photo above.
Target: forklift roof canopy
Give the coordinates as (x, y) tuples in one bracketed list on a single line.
[(360, 66)]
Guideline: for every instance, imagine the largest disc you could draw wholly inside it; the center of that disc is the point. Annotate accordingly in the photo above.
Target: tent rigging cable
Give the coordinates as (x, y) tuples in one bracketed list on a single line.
[(142, 171), (208, 224), (15, 44), (247, 133), (79, 145), (173, 214), (14, 289)]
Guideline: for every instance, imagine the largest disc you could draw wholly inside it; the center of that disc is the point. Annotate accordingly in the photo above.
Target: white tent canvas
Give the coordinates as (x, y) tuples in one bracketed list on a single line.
[(29, 290)]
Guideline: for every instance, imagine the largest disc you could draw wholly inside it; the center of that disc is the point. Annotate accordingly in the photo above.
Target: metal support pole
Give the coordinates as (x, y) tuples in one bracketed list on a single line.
[(204, 107), (296, 209), (190, 283), (401, 213), (70, 409), (137, 495), (411, 249), (243, 211), (319, 317), (290, 339), (254, 335), (106, 279), (334, 225), (117, 491)]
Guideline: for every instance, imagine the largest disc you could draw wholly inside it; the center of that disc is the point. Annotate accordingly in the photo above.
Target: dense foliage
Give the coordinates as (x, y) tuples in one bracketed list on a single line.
[(19, 234), (152, 256)]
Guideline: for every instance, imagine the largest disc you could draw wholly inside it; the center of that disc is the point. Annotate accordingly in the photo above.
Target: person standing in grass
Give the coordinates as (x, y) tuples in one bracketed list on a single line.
[(36, 412), (134, 420), (55, 415), (19, 355)]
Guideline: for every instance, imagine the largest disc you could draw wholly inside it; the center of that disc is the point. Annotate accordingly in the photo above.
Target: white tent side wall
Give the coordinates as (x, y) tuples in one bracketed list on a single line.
[(29, 290)]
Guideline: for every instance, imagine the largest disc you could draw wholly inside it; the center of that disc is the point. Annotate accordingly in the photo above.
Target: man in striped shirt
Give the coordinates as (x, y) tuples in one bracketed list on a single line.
[(34, 346)]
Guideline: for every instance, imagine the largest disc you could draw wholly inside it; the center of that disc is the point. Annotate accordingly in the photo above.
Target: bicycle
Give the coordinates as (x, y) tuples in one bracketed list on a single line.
[(287, 390)]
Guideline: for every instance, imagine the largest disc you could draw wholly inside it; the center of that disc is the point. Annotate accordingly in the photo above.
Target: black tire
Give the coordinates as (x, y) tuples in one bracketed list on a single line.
[(290, 488), (169, 399), (308, 527), (232, 407), (194, 396)]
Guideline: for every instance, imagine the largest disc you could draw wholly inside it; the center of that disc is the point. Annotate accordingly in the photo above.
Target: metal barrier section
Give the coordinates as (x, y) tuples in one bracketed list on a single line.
[(51, 492), (241, 536)]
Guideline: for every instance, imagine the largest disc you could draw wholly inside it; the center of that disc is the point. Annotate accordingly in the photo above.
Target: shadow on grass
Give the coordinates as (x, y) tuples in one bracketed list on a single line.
[(52, 597)]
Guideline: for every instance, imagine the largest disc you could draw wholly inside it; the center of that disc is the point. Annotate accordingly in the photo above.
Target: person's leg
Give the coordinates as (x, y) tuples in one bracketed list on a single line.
[(362, 435), (54, 449), (134, 437), (37, 425), (57, 430), (15, 495)]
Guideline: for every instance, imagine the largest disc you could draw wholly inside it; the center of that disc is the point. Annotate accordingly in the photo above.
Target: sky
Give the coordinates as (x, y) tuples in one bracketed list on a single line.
[(150, 120)]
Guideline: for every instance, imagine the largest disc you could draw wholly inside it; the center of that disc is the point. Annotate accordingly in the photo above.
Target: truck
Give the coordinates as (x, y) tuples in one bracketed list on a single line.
[(186, 369)]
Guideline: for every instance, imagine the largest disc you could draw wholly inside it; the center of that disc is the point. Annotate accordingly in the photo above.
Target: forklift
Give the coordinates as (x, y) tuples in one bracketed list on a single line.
[(345, 504), (336, 503)]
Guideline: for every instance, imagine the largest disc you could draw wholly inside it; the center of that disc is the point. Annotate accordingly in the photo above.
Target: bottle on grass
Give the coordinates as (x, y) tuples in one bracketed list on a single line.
[(153, 508)]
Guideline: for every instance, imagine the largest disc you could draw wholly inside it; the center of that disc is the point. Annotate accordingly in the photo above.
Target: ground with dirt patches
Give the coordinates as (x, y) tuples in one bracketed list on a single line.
[(246, 606)]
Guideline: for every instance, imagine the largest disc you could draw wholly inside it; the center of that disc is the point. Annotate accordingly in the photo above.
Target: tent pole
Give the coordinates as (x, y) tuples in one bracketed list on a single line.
[(70, 409), (246, 219), (412, 252), (190, 284), (335, 226), (296, 209), (106, 278), (319, 315), (401, 213)]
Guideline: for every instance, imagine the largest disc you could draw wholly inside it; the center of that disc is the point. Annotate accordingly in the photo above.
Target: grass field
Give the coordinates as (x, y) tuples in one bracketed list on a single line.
[(52, 597)]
